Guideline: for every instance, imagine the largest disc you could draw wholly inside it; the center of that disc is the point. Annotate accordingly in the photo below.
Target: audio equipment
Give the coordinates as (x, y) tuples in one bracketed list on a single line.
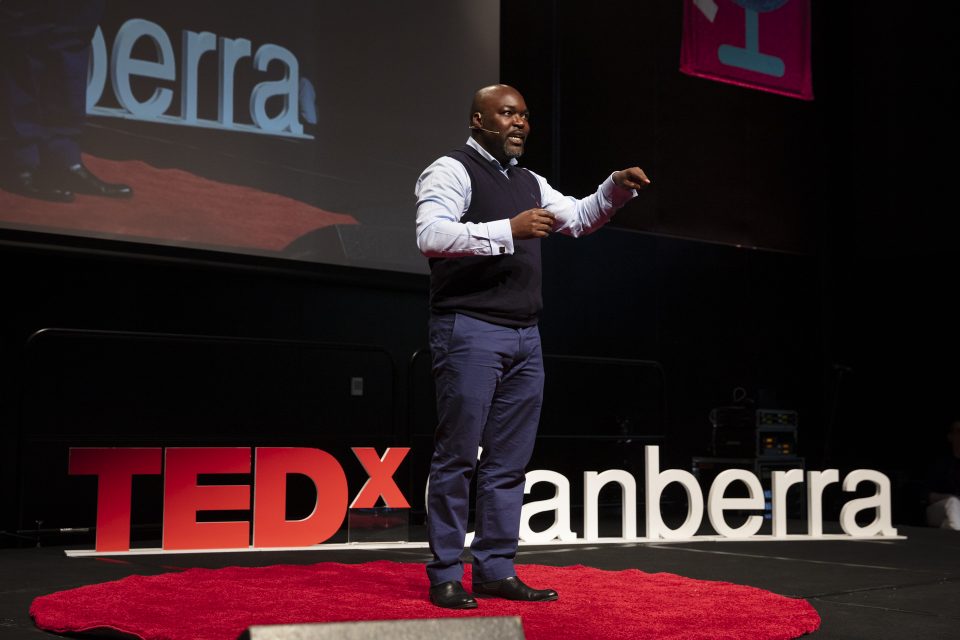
[(776, 433)]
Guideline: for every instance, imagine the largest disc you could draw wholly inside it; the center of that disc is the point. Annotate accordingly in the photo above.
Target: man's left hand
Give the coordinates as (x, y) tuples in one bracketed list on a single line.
[(632, 178)]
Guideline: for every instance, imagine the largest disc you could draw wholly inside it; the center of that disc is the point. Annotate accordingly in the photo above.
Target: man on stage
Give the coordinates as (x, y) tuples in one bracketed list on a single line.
[(44, 54), (480, 218)]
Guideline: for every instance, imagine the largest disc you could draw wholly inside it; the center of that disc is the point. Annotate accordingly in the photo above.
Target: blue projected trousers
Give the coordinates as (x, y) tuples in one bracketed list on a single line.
[(489, 381), (44, 53)]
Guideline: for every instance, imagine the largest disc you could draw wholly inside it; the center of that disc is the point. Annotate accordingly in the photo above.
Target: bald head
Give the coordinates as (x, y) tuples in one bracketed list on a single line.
[(484, 95), (499, 120)]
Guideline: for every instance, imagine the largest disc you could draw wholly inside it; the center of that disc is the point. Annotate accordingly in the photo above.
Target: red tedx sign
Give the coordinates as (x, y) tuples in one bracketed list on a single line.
[(183, 497)]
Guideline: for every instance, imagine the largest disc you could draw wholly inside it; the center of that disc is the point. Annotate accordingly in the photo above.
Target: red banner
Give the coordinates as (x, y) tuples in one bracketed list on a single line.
[(760, 44)]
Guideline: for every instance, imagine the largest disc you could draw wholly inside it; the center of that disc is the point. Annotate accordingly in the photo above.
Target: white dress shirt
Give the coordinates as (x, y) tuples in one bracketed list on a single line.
[(443, 197)]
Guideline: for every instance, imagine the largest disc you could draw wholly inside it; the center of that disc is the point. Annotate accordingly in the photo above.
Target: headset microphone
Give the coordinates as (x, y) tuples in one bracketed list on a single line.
[(487, 130)]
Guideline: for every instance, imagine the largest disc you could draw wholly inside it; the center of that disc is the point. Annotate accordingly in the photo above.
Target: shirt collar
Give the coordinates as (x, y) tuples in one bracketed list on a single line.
[(486, 154)]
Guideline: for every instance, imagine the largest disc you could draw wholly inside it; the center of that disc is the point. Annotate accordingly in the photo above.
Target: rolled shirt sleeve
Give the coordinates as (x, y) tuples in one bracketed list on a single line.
[(577, 217), (443, 195)]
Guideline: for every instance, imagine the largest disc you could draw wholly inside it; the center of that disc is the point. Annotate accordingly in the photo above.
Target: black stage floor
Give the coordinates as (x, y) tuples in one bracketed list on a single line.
[(862, 589)]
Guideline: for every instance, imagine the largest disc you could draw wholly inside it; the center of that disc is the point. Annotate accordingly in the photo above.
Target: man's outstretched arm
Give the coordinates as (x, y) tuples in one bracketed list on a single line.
[(577, 217)]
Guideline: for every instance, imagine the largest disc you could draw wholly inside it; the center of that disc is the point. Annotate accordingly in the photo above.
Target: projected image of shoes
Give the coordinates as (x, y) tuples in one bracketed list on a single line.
[(79, 179)]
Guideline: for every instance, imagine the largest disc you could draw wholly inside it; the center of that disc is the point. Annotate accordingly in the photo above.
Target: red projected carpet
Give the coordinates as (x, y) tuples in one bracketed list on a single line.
[(171, 206), (204, 604)]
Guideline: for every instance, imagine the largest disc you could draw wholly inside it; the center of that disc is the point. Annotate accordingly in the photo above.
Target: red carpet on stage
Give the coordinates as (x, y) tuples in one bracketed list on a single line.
[(205, 604), (171, 206)]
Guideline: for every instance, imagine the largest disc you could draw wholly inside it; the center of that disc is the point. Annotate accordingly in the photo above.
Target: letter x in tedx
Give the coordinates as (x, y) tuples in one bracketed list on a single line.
[(381, 481)]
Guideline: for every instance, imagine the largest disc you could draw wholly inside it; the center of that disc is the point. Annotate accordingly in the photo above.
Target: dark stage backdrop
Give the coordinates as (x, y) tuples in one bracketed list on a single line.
[(729, 165), (285, 129)]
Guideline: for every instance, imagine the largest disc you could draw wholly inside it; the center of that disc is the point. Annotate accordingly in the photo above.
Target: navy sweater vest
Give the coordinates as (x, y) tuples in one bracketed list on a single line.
[(502, 289)]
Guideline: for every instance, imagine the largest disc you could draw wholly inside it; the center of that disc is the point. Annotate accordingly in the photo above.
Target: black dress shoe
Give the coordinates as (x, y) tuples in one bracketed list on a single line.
[(25, 184), (80, 180), (513, 589), (451, 595)]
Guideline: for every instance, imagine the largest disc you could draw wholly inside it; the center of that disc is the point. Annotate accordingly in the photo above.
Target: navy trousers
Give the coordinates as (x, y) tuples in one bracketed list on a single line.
[(489, 381)]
